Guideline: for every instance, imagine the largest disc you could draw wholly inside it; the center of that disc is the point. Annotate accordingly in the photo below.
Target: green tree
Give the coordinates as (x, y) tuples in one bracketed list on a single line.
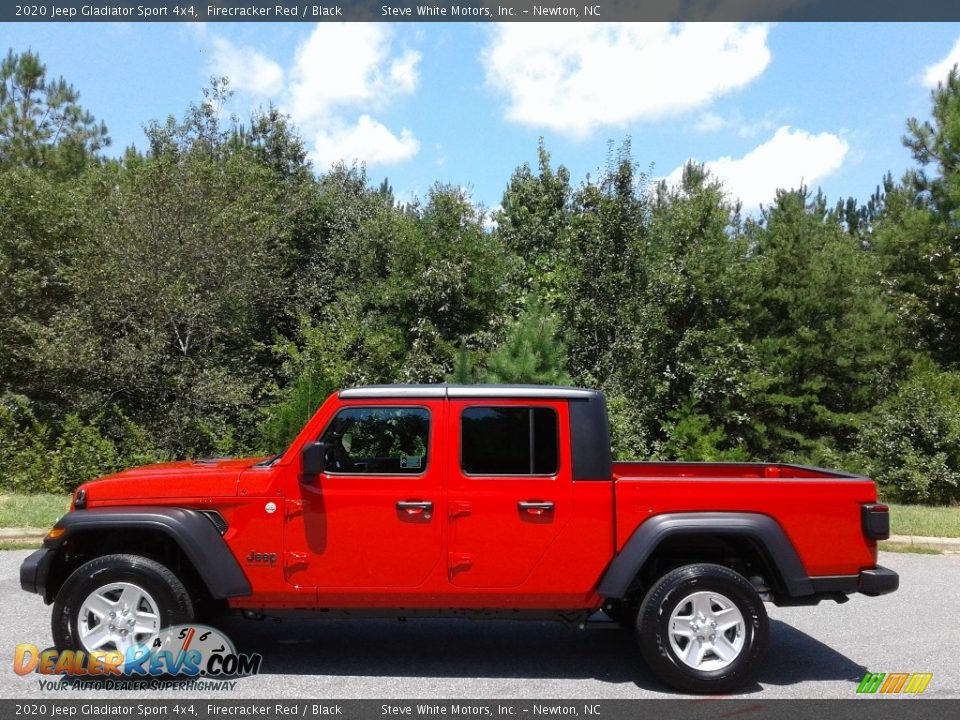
[(177, 285), (532, 352), (533, 222), (651, 286), (42, 123), (434, 280), (825, 340), (695, 363), (911, 442), (407, 287), (38, 232), (601, 268), (916, 234)]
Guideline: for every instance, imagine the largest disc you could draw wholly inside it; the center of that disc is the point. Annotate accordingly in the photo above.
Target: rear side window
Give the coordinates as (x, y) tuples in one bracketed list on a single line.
[(509, 441), (378, 441)]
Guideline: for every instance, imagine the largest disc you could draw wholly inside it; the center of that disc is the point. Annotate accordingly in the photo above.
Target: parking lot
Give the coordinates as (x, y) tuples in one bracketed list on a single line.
[(817, 652)]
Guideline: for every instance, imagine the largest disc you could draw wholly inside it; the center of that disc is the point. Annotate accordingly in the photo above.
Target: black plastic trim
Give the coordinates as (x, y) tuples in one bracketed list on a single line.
[(836, 583), (191, 530), (873, 582), (590, 438), (217, 519), (760, 528), (35, 570), (878, 581)]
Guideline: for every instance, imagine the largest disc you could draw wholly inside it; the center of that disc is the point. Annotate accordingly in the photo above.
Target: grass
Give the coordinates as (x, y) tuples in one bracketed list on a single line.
[(39, 511), (924, 521), (19, 544), (908, 548)]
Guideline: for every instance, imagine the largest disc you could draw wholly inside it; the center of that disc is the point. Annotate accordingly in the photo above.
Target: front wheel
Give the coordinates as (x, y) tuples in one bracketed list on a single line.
[(115, 602), (703, 629)]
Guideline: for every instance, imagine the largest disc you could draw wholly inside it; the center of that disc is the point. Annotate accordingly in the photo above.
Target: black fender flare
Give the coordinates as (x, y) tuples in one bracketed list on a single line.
[(761, 529), (192, 531)]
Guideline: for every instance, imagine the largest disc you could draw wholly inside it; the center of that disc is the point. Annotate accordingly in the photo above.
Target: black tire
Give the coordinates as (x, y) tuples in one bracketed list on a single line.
[(672, 593), (175, 606)]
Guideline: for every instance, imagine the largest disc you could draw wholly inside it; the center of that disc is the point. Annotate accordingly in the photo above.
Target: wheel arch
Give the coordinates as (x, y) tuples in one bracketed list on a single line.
[(758, 536), (184, 537)]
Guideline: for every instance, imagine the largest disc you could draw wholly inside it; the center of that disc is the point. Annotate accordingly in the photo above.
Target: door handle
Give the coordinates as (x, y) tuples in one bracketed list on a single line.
[(535, 507), (416, 507)]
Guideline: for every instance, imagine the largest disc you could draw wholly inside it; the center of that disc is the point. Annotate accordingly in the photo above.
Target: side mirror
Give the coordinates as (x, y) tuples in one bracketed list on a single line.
[(314, 458)]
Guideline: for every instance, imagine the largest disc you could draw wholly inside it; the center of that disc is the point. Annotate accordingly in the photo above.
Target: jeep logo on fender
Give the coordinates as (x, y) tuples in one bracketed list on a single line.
[(255, 558)]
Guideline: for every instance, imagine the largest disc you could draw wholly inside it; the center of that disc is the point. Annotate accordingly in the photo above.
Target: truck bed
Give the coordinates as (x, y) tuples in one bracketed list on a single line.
[(818, 509)]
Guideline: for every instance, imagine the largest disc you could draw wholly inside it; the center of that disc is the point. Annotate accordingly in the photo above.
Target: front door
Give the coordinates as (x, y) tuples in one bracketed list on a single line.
[(510, 491), (373, 518)]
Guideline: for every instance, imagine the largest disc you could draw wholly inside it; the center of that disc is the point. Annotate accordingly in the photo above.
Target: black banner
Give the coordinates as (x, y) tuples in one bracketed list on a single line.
[(480, 11), (688, 709)]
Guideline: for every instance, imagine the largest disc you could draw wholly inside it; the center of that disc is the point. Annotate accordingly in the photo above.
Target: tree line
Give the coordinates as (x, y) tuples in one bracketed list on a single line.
[(204, 295)]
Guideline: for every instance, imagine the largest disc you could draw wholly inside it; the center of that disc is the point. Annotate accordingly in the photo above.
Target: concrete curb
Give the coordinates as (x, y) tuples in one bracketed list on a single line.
[(945, 543)]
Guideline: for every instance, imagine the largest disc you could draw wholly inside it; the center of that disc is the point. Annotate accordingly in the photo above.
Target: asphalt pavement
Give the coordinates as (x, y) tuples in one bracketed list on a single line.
[(816, 652)]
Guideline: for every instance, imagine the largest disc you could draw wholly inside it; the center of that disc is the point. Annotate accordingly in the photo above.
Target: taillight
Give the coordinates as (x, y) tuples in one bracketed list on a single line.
[(875, 520)]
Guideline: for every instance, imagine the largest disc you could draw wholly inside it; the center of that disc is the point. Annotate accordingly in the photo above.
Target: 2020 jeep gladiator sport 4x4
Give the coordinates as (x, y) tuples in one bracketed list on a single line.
[(466, 500)]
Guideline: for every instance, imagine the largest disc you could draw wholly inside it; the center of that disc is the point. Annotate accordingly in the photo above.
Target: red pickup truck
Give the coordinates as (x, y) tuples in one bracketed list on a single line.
[(490, 501)]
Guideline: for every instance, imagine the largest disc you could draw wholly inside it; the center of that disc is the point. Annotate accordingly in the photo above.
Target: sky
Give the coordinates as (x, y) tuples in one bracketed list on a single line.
[(763, 105)]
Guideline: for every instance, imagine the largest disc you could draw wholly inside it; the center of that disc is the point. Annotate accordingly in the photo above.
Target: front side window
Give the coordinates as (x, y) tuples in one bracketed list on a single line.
[(378, 441), (509, 441)]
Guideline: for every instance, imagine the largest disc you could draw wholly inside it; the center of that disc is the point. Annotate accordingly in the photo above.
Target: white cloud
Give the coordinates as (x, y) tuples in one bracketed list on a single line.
[(787, 160), (711, 122), (938, 72), (249, 71), (340, 75), (575, 78), (348, 64), (368, 141)]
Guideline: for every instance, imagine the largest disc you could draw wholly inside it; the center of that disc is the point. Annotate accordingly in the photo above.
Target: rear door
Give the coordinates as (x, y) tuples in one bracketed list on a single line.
[(373, 518), (509, 491)]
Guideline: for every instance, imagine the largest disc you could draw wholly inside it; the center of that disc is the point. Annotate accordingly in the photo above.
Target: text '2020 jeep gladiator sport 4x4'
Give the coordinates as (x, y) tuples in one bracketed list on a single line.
[(491, 501)]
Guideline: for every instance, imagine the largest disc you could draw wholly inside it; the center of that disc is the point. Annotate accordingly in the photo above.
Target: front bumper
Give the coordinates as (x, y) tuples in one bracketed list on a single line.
[(877, 581), (35, 570)]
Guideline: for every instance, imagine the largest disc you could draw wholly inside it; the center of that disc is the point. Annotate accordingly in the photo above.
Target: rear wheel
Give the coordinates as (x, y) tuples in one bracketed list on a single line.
[(703, 629), (117, 601)]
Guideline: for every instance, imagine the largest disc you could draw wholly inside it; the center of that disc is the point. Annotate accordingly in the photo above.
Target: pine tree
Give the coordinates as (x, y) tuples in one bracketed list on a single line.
[(41, 121), (532, 352), (917, 234)]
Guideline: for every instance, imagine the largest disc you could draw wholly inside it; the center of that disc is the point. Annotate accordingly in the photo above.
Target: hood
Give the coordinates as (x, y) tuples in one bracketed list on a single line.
[(216, 477)]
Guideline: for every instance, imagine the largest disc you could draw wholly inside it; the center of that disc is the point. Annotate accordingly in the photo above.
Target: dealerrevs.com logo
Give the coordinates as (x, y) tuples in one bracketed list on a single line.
[(180, 652), (894, 683)]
